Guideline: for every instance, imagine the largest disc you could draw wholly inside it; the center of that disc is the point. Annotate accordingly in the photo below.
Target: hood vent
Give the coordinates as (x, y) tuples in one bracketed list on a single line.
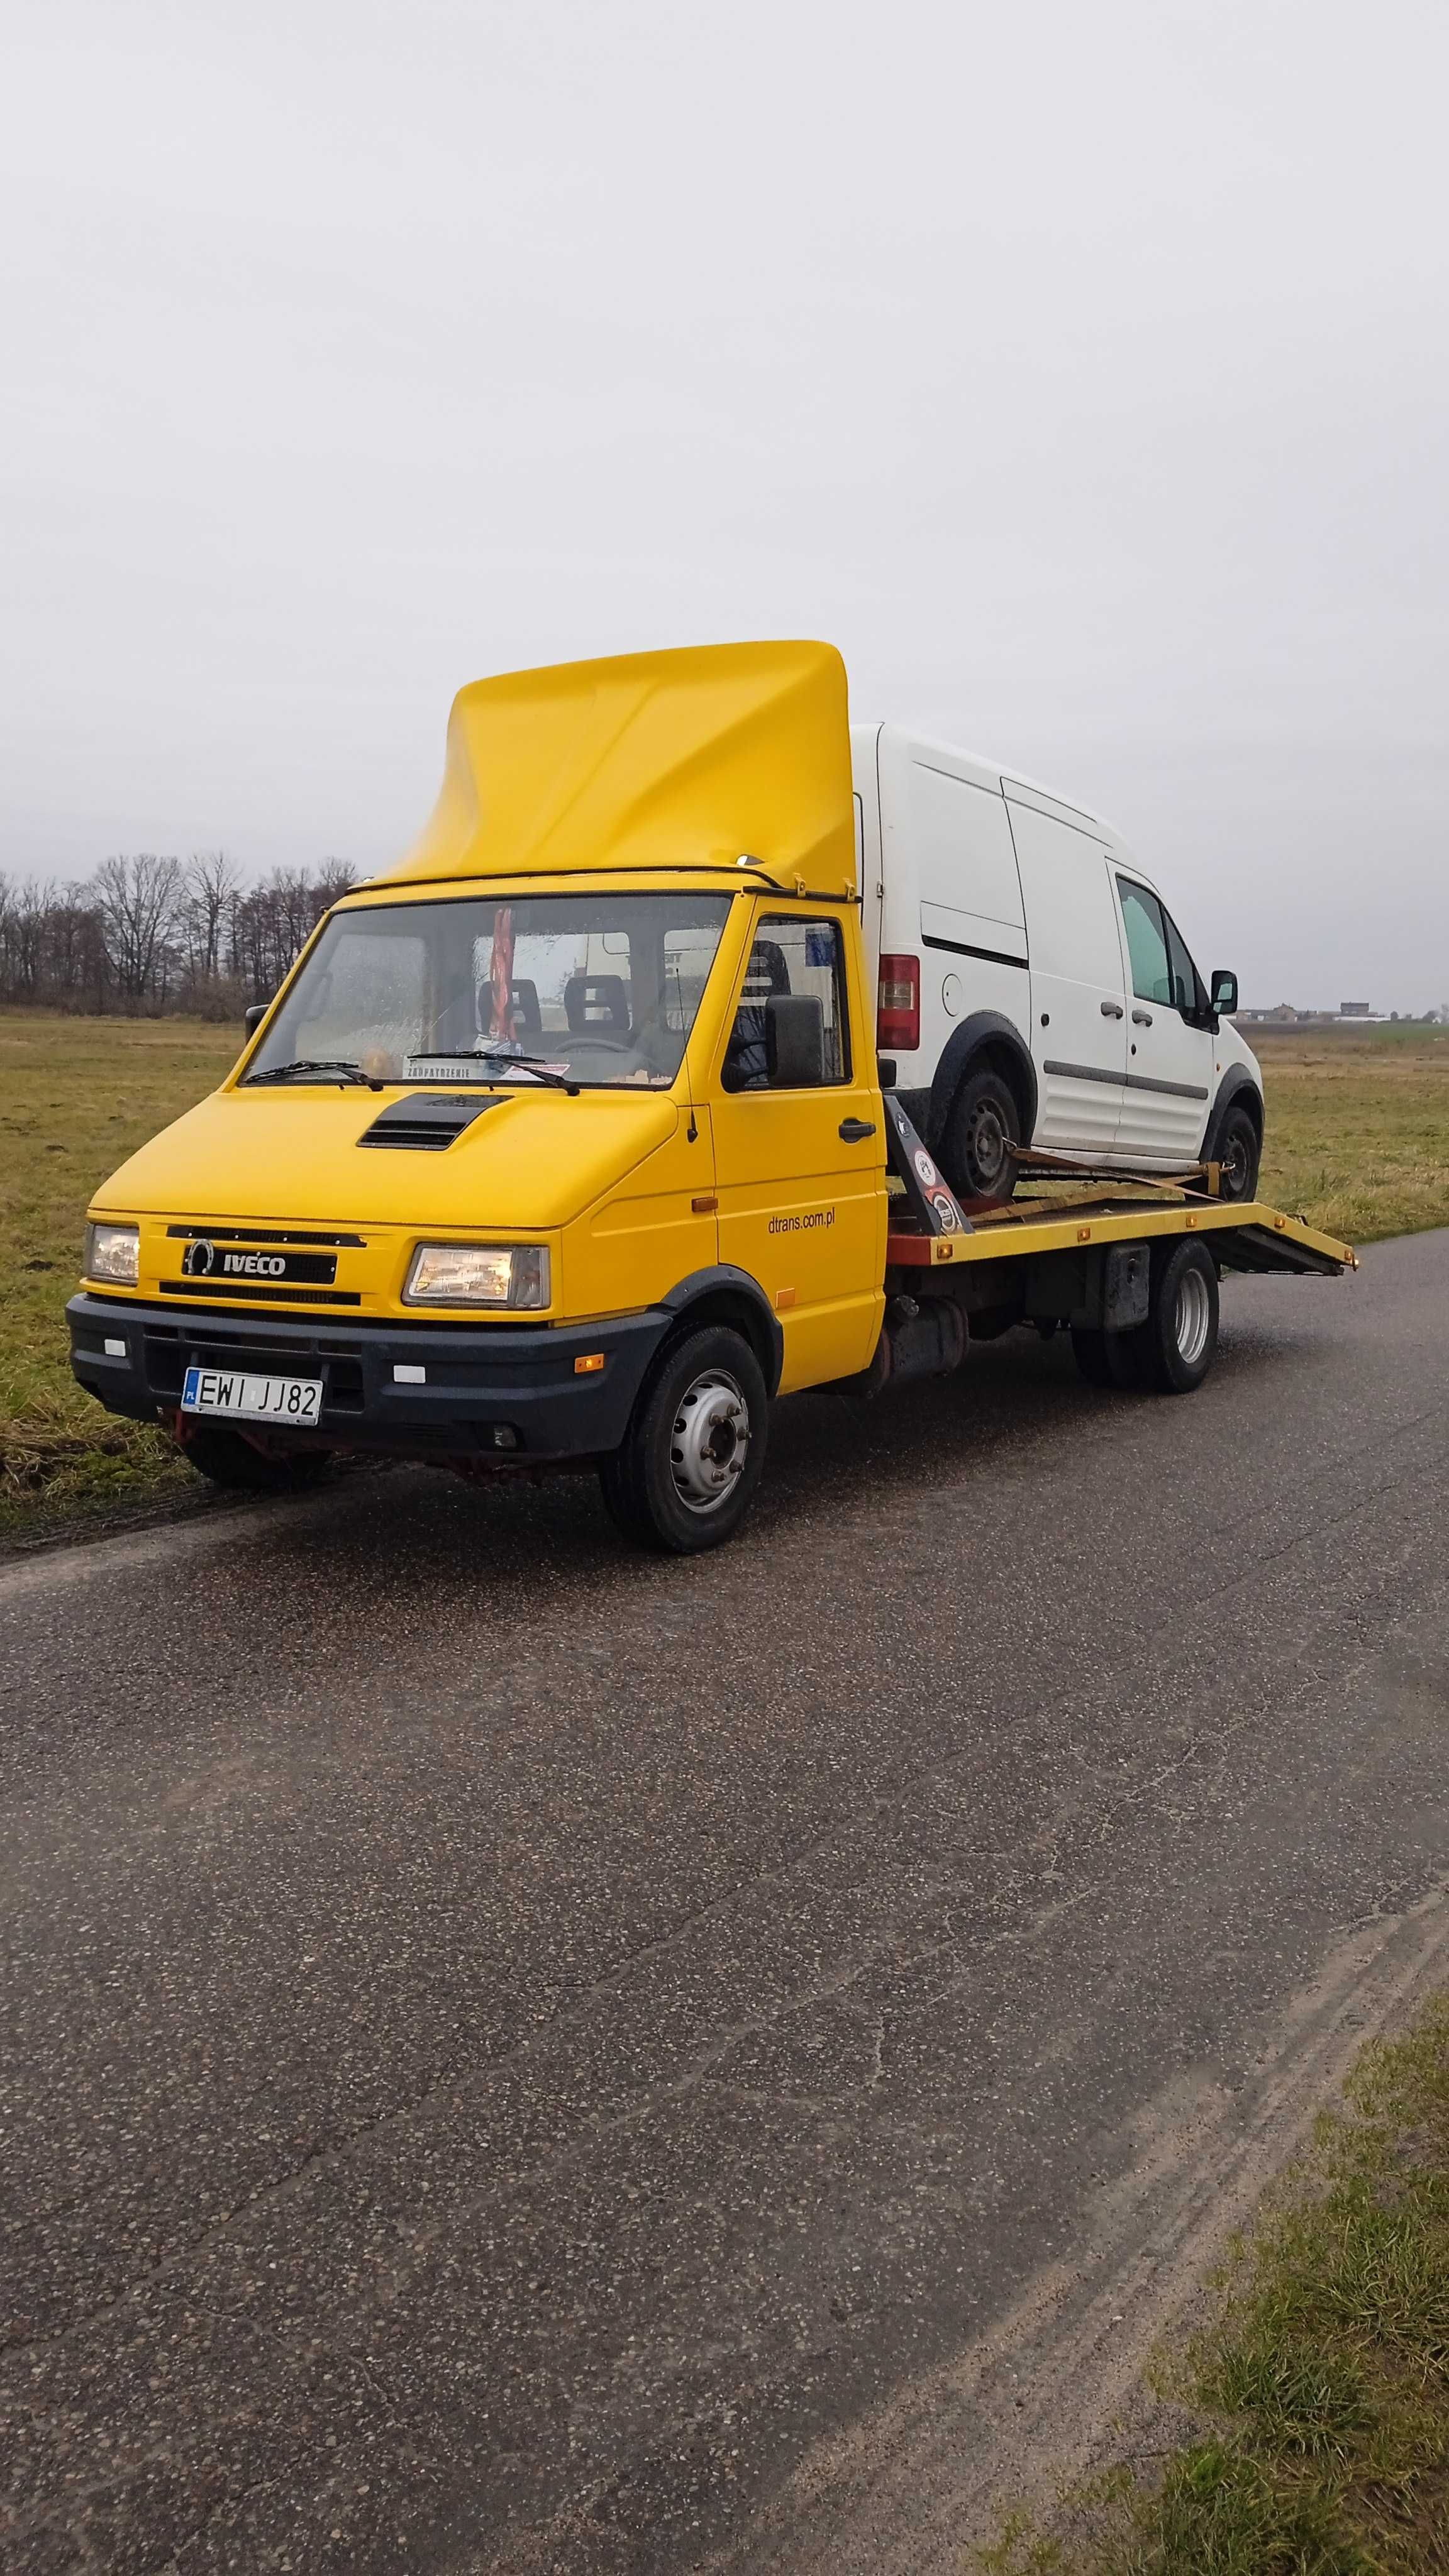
[(427, 1122)]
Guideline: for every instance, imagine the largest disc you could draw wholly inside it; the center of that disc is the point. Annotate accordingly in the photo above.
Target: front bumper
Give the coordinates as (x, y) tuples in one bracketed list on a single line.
[(478, 1377)]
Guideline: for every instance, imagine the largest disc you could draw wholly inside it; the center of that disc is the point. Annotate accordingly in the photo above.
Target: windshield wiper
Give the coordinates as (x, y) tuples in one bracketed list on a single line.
[(337, 1068), (496, 1055)]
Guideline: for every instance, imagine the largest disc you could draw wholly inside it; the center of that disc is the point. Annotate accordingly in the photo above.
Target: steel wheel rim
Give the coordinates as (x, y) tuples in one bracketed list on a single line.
[(1194, 1316), (709, 1441), (988, 1131)]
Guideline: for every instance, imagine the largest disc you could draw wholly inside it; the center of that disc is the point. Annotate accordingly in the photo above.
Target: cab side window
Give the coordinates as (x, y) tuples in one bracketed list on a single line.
[(790, 1031), (1188, 990), (1146, 943)]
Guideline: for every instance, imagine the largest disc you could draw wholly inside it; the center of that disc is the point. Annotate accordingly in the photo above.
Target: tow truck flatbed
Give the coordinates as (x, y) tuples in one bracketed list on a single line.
[(1245, 1235)]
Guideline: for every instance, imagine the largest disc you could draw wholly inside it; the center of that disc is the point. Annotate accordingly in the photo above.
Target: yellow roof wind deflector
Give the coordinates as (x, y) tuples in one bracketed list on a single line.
[(649, 760)]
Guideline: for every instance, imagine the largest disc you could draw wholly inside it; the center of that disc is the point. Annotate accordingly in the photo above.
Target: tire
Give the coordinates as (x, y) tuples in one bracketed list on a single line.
[(685, 1474), (226, 1459), (982, 1126), (1177, 1343), (1237, 1150), (1108, 1359)]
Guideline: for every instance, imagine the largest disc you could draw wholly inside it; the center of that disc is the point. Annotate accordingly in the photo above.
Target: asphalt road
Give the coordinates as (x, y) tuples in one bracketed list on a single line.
[(509, 2047)]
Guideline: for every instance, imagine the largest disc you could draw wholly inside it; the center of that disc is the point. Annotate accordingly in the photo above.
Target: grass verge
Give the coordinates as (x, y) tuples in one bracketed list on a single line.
[(76, 1097), (1320, 2388)]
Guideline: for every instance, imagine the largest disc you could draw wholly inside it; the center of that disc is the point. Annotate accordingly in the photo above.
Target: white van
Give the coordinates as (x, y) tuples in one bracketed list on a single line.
[(1033, 987)]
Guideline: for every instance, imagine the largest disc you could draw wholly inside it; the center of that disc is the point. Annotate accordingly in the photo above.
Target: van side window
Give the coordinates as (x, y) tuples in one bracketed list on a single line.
[(1188, 990), (800, 964), (1146, 943)]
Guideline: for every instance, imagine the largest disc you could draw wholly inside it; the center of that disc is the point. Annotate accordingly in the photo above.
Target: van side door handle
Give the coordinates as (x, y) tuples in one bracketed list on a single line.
[(1142, 1019), (1111, 1010), (854, 1131)]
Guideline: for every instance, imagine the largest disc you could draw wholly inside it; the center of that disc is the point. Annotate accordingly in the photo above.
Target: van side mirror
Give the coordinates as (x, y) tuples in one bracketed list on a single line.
[(1224, 991), (795, 1041), (253, 1017)]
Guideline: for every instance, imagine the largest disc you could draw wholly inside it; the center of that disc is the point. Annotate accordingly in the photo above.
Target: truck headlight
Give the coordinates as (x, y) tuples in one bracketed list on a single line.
[(478, 1274), (113, 1252)]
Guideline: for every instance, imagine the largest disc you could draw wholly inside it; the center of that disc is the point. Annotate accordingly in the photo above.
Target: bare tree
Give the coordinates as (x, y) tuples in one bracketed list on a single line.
[(139, 899), (149, 935), (212, 883)]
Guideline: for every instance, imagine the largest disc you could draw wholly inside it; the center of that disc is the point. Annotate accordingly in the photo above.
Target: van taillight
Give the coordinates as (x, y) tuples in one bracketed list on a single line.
[(898, 1005)]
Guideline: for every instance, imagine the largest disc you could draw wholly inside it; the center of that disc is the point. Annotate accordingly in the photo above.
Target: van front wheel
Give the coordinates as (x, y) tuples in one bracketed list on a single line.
[(1237, 1153), (983, 1125), (685, 1473)]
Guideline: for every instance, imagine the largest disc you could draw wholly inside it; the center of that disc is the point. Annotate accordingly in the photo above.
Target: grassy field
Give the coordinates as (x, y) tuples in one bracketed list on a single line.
[(76, 1096), (1319, 2390), (1358, 1130), (1358, 1141)]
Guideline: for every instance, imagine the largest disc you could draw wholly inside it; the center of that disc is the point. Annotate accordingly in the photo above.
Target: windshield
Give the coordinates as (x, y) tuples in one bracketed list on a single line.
[(600, 988)]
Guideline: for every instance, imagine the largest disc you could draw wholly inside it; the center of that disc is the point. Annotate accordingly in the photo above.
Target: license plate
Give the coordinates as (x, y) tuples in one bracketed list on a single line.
[(258, 1399)]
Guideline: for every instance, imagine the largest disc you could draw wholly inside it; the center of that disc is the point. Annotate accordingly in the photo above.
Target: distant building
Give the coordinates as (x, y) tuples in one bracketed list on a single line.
[(1288, 1015)]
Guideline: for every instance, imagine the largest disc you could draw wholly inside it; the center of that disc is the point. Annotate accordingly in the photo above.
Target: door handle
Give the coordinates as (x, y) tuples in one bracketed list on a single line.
[(1111, 1010), (1142, 1019), (854, 1131)]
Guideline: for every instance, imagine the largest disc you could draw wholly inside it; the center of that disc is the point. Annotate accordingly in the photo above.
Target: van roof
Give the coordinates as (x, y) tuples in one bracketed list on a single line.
[(648, 760), (989, 773)]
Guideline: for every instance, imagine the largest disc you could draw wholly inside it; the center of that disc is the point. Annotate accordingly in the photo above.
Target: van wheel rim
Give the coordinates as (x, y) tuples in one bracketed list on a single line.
[(1194, 1315), (986, 1145), (709, 1442)]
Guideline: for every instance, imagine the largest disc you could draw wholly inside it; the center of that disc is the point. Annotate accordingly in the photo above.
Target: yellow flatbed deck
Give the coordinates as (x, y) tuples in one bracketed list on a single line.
[(1247, 1234)]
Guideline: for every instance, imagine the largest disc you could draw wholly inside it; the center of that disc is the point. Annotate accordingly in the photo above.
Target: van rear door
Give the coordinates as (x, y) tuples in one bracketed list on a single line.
[(1078, 1009), (953, 894)]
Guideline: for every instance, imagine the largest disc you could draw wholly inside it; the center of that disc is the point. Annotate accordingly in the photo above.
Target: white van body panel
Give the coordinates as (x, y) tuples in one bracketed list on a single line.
[(1078, 1031), (1010, 897)]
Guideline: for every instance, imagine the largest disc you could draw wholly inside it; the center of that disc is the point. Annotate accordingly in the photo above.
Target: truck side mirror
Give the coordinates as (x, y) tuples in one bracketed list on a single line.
[(1224, 991), (795, 1041), (253, 1017)]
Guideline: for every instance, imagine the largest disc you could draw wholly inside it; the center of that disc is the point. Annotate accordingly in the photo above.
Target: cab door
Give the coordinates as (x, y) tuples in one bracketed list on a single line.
[(799, 1140), (1170, 1044)]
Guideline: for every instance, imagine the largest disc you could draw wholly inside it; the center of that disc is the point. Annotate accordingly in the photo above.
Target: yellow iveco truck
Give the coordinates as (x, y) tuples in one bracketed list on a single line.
[(567, 1142)]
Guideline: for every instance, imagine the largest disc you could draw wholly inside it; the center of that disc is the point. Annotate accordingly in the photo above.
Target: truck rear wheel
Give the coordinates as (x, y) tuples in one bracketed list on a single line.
[(685, 1474), (1107, 1359), (1180, 1336), (225, 1458), (1172, 1352)]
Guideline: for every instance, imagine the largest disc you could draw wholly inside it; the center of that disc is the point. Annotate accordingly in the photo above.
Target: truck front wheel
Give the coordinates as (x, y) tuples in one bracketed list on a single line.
[(226, 1458), (685, 1473)]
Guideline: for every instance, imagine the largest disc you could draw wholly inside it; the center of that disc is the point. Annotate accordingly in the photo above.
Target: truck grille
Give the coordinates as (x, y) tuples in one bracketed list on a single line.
[(170, 1352)]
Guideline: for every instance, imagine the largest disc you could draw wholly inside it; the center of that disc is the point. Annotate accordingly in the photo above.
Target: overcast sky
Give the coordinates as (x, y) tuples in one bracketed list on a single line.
[(1080, 370)]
